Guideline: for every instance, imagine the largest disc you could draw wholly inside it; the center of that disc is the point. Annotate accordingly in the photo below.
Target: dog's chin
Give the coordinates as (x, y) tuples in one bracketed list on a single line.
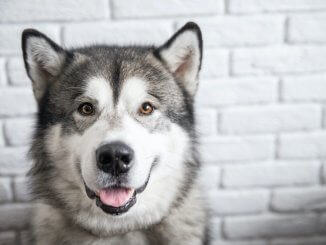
[(115, 200)]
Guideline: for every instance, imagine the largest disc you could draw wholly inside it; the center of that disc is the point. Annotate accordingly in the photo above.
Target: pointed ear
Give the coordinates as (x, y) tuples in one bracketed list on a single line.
[(182, 54), (43, 60)]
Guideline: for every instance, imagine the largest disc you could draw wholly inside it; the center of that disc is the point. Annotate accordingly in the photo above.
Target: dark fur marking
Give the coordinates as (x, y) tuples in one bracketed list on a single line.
[(115, 80)]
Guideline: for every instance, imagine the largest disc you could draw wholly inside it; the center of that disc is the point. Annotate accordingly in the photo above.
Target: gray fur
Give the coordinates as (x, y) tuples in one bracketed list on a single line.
[(64, 214)]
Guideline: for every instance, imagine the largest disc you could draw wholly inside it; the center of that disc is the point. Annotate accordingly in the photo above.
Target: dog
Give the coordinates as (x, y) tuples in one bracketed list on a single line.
[(114, 151)]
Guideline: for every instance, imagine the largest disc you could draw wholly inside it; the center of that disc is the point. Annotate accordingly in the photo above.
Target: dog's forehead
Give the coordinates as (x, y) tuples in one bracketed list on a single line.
[(131, 90), (113, 75)]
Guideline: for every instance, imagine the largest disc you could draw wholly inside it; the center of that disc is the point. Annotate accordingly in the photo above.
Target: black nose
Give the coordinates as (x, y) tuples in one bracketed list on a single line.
[(114, 158)]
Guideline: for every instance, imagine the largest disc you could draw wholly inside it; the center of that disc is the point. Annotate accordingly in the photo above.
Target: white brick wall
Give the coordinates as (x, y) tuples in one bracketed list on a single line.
[(261, 106)]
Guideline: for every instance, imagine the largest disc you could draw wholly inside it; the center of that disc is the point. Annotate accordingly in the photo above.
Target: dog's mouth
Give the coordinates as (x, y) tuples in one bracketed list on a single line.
[(116, 199)]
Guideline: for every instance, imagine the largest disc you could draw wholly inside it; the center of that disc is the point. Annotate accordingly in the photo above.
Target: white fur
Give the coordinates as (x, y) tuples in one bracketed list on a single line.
[(133, 93), (99, 89)]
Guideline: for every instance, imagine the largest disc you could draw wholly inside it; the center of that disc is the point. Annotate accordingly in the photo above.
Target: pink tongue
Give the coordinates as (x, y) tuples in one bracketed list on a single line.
[(115, 197)]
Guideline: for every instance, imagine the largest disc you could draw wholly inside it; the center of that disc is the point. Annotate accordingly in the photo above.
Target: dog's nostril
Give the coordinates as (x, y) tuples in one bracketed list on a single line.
[(126, 158), (105, 158)]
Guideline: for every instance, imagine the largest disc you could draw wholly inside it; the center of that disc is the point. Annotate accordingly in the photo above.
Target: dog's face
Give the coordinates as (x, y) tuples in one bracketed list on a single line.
[(115, 127)]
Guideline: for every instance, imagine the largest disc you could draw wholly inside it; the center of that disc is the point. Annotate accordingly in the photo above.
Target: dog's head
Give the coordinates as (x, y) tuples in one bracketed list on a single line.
[(115, 130)]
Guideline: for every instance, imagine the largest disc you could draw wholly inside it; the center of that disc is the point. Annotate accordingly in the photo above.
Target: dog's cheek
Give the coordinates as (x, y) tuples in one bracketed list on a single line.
[(85, 150), (173, 149), (168, 176), (143, 144), (59, 146), (53, 139), (61, 151)]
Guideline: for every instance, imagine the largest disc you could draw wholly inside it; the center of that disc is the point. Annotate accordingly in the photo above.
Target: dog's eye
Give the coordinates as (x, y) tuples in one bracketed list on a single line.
[(86, 109), (146, 108)]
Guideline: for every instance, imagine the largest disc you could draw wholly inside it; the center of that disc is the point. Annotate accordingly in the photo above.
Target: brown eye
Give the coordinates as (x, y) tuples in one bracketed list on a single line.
[(146, 108), (86, 109)]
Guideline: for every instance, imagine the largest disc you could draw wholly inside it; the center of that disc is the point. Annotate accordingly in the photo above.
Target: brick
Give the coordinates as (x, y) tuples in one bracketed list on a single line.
[(216, 224), (323, 173), (5, 190), (215, 63), (233, 91), (17, 101), (229, 202), (271, 118), (147, 8), (206, 121), (306, 28), (271, 226), (17, 216), (19, 131), (253, 6), (323, 221), (2, 136), (3, 78), (17, 73), (299, 199), (125, 32), (232, 148), (210, 177), (7, 238), (318, 240), (10, 36), (45, 10), (271, 174), (26, 238), (324, 118), (304, 145), (279, 60), (13, 161), (21, 191), (248, 242), (304, 88), (230, 31)]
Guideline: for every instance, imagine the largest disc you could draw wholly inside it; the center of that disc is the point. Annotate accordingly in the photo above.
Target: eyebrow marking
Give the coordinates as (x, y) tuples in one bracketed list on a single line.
[(99, 89), (155, 96)]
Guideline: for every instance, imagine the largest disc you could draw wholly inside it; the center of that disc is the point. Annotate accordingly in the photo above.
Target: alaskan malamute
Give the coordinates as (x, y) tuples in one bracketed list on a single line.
[(114, 150)]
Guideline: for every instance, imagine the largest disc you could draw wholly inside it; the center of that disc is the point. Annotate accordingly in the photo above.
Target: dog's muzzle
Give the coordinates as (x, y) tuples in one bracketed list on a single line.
[(116, 199)]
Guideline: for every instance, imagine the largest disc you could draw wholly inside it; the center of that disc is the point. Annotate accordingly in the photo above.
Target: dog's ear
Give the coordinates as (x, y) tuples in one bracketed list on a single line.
[(182, 54), (43, 60)]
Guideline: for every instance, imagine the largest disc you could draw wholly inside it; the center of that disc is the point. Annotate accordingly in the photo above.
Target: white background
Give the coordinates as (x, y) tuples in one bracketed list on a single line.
[(261, 105)]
